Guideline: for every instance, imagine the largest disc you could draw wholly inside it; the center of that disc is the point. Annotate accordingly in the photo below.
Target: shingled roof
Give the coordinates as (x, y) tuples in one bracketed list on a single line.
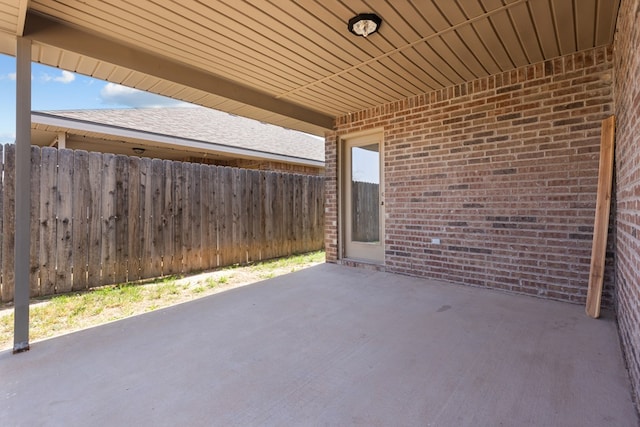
[(202, 125)]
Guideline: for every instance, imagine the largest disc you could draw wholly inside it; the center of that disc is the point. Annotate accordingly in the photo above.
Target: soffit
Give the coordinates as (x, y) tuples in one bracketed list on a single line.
[(300, 53)]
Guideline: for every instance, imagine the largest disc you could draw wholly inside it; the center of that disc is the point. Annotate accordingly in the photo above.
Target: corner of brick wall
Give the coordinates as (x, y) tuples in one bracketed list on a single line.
[(627, 110), (331, 197), (503, 170)]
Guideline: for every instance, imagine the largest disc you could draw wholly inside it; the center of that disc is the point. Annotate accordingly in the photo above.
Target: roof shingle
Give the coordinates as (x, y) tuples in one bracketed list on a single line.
[(206, 125)]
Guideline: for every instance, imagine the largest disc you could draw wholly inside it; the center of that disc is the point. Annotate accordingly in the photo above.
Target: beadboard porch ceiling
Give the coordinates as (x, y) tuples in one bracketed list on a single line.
[(293, 62)]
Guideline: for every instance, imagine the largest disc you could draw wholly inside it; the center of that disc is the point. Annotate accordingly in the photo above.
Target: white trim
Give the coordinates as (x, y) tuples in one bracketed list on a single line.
[(356, 250)]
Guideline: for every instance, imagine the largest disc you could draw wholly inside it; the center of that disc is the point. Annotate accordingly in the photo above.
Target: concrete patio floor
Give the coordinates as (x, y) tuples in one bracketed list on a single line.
[(330, 346)]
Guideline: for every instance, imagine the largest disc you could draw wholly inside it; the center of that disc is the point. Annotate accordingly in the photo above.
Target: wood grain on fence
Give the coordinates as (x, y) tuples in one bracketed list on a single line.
[(157, 227), (365, 202), (34, 225), (64, 204), (121, 219), (8, 223), (8, 229), (100, 219), (48, 223), (94, 220), (134, 229), (80, 230)]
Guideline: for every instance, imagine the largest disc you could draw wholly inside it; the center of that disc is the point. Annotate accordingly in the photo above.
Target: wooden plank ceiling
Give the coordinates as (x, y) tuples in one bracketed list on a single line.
[(297, 54)]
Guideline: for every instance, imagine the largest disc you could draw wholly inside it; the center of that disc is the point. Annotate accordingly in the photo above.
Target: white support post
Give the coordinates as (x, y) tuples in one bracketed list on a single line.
[(62, 140), (23, 190)]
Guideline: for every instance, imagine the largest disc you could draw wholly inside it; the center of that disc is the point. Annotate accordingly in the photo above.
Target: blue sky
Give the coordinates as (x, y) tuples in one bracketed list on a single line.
[(55, 89)]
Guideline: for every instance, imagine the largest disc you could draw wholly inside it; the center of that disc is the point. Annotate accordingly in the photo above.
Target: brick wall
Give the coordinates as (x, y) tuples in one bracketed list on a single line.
[(331, 197), (627, 109), (502, 169)]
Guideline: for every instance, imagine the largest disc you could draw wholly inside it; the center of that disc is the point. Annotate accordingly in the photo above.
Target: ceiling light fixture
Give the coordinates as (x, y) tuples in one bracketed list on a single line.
[(364, 24)]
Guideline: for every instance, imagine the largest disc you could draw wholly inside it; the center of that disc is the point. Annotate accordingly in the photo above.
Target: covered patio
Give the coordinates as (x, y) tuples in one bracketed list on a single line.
[(331, 345), (483, 120)]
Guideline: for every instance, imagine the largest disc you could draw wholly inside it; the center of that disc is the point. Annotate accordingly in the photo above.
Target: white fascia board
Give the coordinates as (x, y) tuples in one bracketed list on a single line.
[(109, 131)]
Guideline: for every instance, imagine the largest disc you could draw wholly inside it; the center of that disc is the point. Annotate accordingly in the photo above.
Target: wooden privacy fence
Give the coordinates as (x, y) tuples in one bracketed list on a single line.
[(365, 205), (100, 219)]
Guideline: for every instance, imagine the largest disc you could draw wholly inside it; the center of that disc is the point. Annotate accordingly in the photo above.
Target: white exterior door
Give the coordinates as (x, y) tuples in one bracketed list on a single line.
[(363, 198)]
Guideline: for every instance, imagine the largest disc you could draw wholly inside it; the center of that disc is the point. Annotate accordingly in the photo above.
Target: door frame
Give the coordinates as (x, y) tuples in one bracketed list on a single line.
[(344, 216)]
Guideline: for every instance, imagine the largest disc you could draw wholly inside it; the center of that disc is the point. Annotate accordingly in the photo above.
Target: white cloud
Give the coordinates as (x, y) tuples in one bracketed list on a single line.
[(65, 77), (116, 94), (8, 76)]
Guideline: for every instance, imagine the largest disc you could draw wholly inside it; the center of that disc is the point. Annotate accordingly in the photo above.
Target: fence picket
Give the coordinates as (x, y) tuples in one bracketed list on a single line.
[(196, 216), (278, 213), (80, 237), (287, 201), (253, 217), (100, 218), (121, 219), (235, 244), (169, 259), (145, 217), (94, 220), (304, 224), (8, 230), (225, 210), (34, 225), (298, 217), (64, 228), (365, 204), (134, 231), (205, 243), (48, 172), (214, 219), (186, 217), (158, 227), (108, 250), (241, 216), (268, 200), (178, 213)]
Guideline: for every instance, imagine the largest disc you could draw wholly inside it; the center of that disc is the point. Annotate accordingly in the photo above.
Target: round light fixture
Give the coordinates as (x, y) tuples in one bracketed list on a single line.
[(364, 24)]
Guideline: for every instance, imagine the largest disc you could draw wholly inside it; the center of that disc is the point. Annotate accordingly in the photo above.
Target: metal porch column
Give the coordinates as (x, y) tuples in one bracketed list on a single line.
[(23, 190)]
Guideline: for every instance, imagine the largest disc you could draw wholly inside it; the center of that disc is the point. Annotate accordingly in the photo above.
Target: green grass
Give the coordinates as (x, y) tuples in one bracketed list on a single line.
[(211, 283), (292, 263), (61, 313)]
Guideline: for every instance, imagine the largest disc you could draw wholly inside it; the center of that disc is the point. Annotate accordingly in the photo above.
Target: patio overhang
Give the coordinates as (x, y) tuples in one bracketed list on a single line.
[(296, 64), (47, 32), (293, 64)]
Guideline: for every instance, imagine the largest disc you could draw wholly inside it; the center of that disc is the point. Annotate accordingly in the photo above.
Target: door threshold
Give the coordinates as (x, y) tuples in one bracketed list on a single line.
[(367, 265)]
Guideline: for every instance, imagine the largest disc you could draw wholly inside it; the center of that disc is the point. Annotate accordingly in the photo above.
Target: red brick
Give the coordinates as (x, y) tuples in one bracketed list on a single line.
[(627, 205), (503, 146)]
